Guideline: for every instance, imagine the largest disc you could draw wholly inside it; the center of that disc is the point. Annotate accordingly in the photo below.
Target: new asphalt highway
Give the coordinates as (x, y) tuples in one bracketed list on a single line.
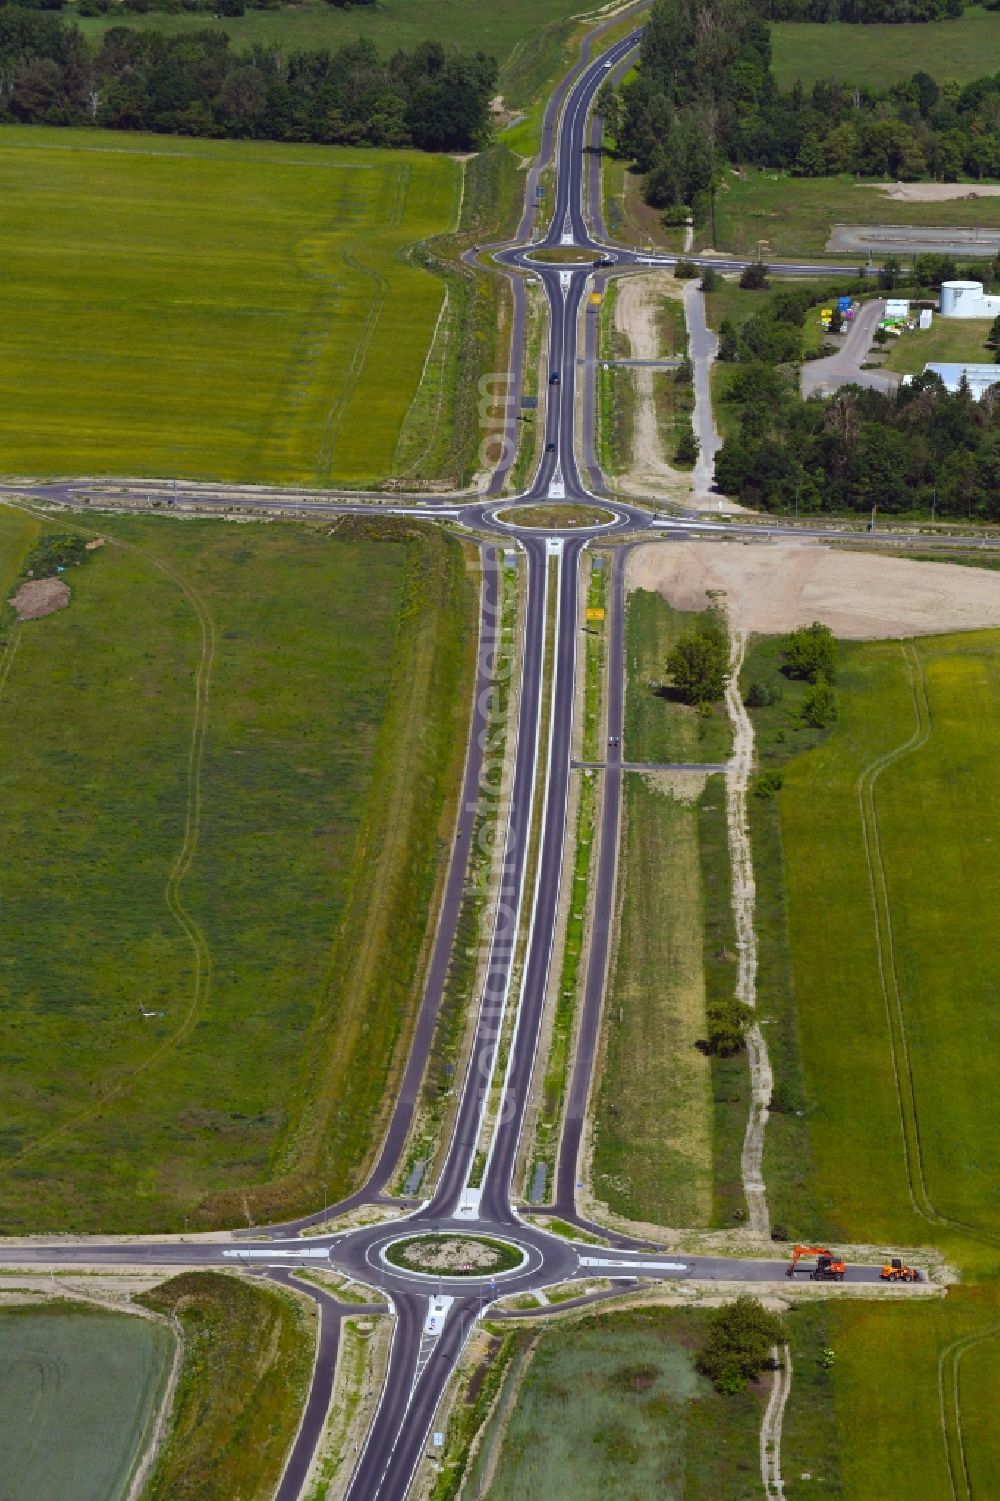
[(474, 1190)]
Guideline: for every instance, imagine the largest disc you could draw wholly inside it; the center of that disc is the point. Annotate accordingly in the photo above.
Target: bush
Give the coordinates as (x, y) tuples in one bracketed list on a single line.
[(811, 654), (688, 448), (783, 1101), (710, 279), (767, 784), (729, 1021), (54, 551), (760, 694), (685, 270), (699, 664), (754, 278), (739, 1342), (819, 707)]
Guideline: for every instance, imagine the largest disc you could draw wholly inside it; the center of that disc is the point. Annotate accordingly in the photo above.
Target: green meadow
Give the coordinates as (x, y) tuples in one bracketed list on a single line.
[(794, 215), (961, 49), (223, 770), (63, 1432), (239, 311), (893, 881)]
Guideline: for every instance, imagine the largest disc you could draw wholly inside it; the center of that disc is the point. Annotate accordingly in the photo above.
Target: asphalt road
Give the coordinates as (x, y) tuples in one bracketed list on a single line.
[(471, 1194)]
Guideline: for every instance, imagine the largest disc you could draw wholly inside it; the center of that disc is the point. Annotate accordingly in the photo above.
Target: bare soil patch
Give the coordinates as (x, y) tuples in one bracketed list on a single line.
[(40, 597), (932, 192), (774, 587), (635, 316)]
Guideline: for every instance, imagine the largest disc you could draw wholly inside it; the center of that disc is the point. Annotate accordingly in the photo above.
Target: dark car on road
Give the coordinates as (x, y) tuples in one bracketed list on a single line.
[(554, 378)]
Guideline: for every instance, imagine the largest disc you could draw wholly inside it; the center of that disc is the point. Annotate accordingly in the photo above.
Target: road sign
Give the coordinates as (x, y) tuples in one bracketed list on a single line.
[(439, 1440), (595, 614)]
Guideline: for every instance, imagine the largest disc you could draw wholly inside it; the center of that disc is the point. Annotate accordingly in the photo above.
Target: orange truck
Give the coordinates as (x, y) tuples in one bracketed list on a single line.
[(829, 1266)]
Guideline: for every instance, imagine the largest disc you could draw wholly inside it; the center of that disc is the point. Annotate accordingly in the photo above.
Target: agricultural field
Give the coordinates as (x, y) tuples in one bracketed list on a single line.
[(236, 310), (959, 339), (248, 1355), (518, 33), (613, 1406), (906, 1411), (208, 768), (961, 49), (63, 1433), (795, 214), (892, 871)]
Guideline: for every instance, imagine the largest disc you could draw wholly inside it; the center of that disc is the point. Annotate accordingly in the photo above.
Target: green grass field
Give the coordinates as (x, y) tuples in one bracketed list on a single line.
[(612, 1406), (884, 1421), (248, 1355), (79, 1392), (893, 872), (219, 800), (962, 49), (653, 1111), (234, 310), (658, 729), (795, 214), (947, 339), (516, 32)]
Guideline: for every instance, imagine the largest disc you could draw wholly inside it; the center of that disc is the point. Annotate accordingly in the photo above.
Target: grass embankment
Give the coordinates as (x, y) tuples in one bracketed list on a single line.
[(80, 1389), (242, 743), (612, 1406), (894, 979), (959, 49), (615, 391), (883, 1420), (958, 339), (653, 1123), (255, 316), (662, 1151), (796, 214), (556, 517), (248, 1355), (657, 727)]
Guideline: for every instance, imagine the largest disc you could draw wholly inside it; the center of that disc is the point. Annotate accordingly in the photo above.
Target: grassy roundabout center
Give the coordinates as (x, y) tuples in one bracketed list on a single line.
[(454, 1255), (557, 516)]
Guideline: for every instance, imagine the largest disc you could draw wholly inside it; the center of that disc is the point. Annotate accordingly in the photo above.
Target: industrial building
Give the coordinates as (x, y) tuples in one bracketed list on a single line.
[(978, 377), (966, 299)]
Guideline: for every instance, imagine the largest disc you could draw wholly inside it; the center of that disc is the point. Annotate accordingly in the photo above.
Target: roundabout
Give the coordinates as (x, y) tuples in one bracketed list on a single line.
[(451, 1254)]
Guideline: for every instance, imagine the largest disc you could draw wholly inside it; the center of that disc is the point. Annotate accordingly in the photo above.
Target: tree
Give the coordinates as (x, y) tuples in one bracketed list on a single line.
[(738, 1346), (699, 664), (710, 279), (688, 448), (729, 1021), (993, 337), (811, 653), (819, 707), (754, 278)]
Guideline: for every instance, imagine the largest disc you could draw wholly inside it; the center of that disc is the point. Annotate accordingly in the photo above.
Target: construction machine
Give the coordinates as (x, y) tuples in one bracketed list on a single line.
[(829, 1266), (897, 1271)]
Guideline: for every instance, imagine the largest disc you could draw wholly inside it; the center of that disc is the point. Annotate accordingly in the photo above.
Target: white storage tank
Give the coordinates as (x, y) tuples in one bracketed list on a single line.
[(965, 299)]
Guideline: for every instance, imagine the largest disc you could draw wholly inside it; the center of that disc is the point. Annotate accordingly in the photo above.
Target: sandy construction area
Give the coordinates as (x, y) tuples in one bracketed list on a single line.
[(931, 192), (635, 317), (40, 597), (771, 587)]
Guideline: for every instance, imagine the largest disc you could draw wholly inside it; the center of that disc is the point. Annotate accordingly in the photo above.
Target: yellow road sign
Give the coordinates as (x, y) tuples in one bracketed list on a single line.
[(595, 614)]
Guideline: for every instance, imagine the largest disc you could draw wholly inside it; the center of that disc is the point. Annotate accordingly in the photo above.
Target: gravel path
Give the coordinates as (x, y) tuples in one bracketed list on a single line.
[(774, 1416), (744, 896)]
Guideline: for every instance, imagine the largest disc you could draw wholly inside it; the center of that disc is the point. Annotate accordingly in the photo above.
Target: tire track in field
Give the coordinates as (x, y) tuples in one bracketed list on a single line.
[(324, 455), (200, 947), (888, 969), (950, 1400), (10, 652)]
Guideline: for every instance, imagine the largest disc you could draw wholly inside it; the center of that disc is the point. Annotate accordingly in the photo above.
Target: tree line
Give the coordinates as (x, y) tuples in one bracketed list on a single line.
[(194, 84), (704, 94), (890, 12)]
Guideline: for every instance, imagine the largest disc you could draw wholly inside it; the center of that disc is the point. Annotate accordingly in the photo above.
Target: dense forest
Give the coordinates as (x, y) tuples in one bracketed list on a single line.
[(919, 449), (195, 84), (705, 94), (892, 12)]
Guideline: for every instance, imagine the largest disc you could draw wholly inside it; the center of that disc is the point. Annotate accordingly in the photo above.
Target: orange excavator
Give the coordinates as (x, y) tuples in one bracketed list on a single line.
[(829, 1267), (897, 1271)]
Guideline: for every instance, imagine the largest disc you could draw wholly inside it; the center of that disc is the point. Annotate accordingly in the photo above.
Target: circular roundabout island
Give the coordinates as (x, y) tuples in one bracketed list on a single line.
[(556, 516), (453, 1254)]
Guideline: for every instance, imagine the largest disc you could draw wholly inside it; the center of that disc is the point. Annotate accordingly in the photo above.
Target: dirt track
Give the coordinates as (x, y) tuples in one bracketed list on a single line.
[(774, 587)]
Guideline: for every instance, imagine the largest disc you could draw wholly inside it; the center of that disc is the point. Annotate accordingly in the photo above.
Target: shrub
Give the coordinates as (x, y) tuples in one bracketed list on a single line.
[(760, 694), (688, 448), (754, 278), (739, 1342), (729, 1021), (685, 270), (819, 707), (811, 653), (767, 784), (710, 279), (53, 551)]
